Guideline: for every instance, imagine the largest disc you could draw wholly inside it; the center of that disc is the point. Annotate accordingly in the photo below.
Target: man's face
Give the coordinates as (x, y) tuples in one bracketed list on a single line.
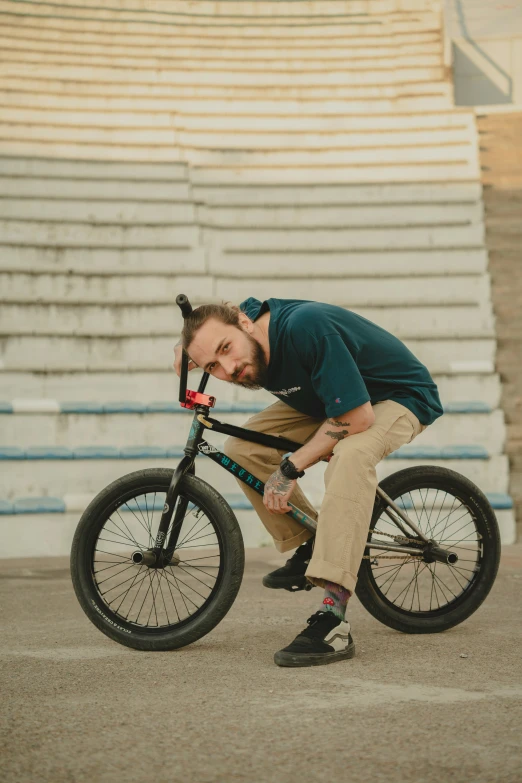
[(230, 354)]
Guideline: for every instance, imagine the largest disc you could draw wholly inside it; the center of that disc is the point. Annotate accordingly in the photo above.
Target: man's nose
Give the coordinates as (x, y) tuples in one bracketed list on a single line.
[(229, 365)]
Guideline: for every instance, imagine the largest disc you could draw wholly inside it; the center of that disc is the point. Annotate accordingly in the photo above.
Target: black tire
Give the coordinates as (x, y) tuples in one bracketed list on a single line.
[(479, 553), (227, 572)]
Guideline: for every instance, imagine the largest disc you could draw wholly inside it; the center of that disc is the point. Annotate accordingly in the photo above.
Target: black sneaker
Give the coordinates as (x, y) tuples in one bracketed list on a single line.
[(327, 639), (291, 576)]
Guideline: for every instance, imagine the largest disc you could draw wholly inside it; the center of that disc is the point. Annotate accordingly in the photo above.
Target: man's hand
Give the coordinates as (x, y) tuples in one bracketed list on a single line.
[(178, 353), (278, 490)]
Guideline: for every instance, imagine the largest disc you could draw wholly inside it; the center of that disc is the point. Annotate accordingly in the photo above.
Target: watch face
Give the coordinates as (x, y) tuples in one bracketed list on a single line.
[(288, 470)]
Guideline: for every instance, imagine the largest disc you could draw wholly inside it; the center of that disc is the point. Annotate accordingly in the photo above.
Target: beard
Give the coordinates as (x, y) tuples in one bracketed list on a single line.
[(256, 377)]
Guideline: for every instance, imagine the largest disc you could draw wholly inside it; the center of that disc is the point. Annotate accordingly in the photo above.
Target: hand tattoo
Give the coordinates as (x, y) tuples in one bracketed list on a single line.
[(337, 435), (278, 484)]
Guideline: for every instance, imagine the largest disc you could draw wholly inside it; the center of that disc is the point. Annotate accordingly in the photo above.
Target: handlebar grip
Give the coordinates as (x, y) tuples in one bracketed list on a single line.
[(184, 305)]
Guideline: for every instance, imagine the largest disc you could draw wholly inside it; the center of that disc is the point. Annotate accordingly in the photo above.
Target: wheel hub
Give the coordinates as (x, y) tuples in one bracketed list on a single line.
[(153, 559)]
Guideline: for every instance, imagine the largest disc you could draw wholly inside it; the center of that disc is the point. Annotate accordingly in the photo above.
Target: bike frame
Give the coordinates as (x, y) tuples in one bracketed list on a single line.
[(197, 445)]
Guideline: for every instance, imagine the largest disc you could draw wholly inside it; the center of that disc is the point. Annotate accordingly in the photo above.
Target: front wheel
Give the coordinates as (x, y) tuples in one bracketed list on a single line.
[(415, 596), (164, 607)]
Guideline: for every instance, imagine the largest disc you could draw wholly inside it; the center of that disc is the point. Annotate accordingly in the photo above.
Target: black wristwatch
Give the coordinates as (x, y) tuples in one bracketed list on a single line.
[(289, 470)]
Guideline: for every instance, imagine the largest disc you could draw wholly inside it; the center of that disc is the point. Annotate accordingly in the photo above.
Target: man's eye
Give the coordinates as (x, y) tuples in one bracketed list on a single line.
[(211, 367), (226, 347)]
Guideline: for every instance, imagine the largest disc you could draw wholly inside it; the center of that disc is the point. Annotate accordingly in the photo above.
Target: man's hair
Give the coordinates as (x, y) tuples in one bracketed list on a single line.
[(226, 313)]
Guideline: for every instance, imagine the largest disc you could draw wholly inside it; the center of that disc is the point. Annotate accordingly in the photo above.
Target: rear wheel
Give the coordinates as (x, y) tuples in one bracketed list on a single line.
[(415, 596), (156, 608)]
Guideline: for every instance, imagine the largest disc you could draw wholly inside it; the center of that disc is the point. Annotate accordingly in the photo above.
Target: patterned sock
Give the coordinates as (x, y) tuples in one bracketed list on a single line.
[(335, 599)]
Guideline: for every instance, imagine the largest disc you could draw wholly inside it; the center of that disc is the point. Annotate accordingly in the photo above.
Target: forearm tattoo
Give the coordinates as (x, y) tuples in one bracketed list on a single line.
[(335, 423), (278, 484), (337, 435)]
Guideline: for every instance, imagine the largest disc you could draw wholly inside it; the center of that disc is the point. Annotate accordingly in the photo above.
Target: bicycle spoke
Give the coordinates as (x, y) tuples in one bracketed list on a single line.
[(199, 568), (128, 591), (122, 535), (181, 591), (143, 575), (172, 596), (131, 565), (163, 599), (413, 585), (154, 594), (198, 519), (194, 559), (187, 540), (134, 515), (194, 577)]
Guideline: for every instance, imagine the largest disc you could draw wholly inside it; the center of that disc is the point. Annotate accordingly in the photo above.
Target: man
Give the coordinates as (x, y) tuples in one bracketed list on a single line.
[(344, 385)]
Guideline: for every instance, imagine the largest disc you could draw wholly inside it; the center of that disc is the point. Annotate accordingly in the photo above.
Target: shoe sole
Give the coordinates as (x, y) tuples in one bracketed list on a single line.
[(314, 659)]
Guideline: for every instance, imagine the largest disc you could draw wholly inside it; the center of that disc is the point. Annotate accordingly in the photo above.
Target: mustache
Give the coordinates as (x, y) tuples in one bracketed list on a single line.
[(237, 373)]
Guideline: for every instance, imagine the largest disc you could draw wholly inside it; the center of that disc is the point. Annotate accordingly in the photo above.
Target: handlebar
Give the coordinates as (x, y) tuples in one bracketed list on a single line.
[(184, 305), (186, 309)]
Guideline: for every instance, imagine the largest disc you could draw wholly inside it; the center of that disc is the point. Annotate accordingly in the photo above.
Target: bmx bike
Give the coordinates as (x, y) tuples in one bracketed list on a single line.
[(157, 558)]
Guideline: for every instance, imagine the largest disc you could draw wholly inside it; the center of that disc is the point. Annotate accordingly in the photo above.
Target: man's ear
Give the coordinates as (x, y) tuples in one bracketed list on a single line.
[(245, 323)]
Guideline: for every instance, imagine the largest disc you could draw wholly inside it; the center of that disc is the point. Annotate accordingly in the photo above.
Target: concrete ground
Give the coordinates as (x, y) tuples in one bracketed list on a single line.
[(76, 706)]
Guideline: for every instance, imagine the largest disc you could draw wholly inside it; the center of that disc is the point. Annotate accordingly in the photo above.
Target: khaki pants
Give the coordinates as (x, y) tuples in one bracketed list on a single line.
[(350, 484)]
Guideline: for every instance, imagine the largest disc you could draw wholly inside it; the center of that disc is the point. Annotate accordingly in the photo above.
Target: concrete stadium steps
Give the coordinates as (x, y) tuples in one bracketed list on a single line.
[(162, 429), (403, 320), (461, 153), (339, 238), (102, 210), (422, 263), (66, 99), (423, 52), (99, 211), (198, 60), (266, 9), (147, 290), (95, 129), (385, 173), (102, 260), (307, 79), (40, 81), (63, 354), (263, 140), (223, 47), (254, 140), (93, 190), (390, 195), (158, 25), (60, 529), (55, 477), (456, 160), (139, 386), (289, 129), (112, 171), (301, 215), (86, 234)]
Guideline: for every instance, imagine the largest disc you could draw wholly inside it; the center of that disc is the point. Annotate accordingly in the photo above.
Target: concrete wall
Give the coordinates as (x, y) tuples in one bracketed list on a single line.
[(485, 46)]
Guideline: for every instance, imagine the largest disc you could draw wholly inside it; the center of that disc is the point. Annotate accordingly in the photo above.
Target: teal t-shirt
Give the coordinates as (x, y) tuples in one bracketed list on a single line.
[(325, 361)]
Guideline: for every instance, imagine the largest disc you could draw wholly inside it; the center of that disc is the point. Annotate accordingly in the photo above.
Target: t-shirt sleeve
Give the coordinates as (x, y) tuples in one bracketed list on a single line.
[(335, 376)]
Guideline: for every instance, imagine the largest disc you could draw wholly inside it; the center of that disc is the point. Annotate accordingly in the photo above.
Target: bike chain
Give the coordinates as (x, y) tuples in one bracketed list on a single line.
[(392, 557)]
